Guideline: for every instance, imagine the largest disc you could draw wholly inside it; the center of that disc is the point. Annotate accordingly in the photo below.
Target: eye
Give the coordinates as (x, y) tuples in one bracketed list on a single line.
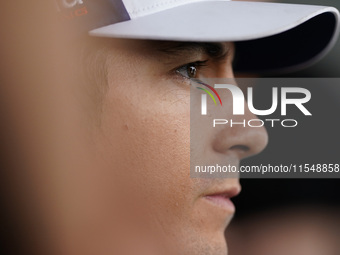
[(190, 71)]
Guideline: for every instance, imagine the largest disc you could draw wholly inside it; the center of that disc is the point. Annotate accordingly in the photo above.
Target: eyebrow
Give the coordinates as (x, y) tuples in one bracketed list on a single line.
[(217, 51)]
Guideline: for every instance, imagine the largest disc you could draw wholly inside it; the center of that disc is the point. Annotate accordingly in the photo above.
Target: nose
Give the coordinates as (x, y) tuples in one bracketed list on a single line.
[(239, 138)]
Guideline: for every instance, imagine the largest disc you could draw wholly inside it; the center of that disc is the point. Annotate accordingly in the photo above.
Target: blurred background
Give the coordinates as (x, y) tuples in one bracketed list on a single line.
[(295, 216), (329, 66)]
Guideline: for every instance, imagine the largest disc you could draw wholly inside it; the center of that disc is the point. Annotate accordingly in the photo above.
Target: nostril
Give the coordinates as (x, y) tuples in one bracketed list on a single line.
[(240, 148)]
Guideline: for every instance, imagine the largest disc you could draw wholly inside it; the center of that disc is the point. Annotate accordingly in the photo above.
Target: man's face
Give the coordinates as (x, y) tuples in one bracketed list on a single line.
[(142, 191)]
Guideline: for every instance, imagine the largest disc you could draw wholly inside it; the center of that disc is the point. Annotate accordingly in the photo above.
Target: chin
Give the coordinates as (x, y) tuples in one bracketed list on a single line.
[(202, 244), (219, 245)]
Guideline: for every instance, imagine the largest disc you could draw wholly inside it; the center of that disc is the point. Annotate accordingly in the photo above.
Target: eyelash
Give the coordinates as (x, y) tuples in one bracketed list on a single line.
[(184, 68)]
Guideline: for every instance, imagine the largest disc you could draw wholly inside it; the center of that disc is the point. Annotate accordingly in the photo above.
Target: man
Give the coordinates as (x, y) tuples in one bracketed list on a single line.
[(134, 194)]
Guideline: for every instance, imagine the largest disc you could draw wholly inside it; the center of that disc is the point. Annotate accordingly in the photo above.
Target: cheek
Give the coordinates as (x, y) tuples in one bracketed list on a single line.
[(146, 142)]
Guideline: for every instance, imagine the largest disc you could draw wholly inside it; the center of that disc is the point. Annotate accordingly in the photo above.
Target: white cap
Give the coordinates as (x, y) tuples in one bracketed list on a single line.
[(268, 36)]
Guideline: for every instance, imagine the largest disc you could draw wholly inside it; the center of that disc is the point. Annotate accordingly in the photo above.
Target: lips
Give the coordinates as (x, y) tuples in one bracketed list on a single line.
[(221, 198)]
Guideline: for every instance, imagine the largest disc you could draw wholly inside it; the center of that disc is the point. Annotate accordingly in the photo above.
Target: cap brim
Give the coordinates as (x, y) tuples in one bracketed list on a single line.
[(262, 29)]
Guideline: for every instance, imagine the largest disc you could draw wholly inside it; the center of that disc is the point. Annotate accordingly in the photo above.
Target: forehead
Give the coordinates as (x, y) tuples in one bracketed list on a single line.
[(216, 49), (173, 49)]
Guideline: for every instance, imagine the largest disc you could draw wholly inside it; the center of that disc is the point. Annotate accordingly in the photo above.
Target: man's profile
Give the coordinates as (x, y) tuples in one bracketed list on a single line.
[(134, 65)]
